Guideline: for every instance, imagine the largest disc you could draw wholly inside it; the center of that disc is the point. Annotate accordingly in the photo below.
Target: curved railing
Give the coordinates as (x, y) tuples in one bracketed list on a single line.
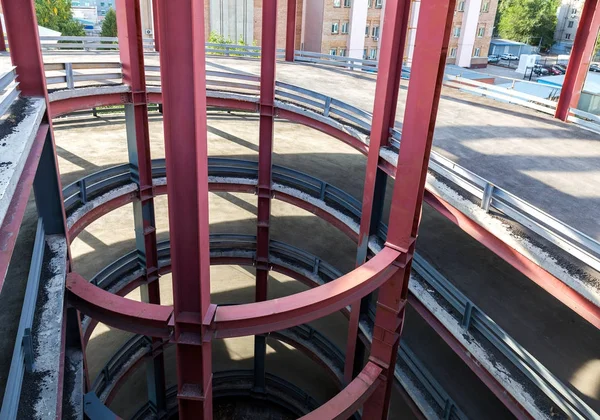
[(297, 260), (470, 317), (355, 124)]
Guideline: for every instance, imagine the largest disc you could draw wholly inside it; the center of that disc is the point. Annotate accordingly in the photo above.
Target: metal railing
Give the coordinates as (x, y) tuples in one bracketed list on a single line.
[(584, 119), (9, 90), (473, 318), (335, 112), (23, 353)]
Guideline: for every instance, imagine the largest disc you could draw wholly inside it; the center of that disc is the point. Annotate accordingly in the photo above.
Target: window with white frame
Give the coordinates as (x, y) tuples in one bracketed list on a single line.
[(485, 7), (571, 23), (342, 52), (367, 30), (378, 4), (456, 31), (373, 54), (365, 53), (375, 31), (345, 27), (567, 36), (333, 51), (335, 27), (461, 6), (453, 52), (370, 3), (337, 3), (481, 31), (347, 3), (476, 52)]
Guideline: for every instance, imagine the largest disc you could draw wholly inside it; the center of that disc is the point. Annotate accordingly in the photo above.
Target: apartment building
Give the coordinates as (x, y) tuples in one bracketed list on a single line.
[(568, 15)]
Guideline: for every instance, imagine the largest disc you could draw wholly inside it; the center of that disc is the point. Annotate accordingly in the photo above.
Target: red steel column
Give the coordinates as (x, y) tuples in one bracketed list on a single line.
[(2, 42), (290, 31), (183, 79), (384, 116), (138, 142), (155, 25), (581, 57), (431, 46), (265, 154)]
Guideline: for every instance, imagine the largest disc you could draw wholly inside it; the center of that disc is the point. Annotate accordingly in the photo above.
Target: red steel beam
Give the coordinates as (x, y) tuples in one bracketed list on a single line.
[(265, 166), (183, 79), (431, 45), (581, 57), (131, 50), (155, 25), (384, 117), (2, 41), (290, 30)]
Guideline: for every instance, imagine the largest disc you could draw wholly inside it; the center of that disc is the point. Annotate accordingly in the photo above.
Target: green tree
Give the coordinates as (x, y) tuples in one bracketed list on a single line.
[(56, 15), (528, 21), (109, 25)]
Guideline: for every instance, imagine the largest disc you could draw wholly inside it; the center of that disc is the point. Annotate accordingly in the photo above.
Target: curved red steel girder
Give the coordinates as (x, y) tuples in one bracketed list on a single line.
[(551, 284)]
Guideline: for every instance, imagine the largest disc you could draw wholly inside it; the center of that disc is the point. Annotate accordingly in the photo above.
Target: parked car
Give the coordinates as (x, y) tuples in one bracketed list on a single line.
[(493, 58), (558, 69), (540, 70), (595, 68), (562, 67), (553, 70), (509, 57)]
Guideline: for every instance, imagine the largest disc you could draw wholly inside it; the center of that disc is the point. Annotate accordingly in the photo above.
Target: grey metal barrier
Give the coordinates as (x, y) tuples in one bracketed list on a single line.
[(9, 90)]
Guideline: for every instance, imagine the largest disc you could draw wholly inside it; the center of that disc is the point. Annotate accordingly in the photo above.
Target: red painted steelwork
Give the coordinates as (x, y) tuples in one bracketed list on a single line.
[(435, 22), (513, 405), (155, 25), (16, 209), (265, 145), (183, 80), (351, 398), (271, 315), (580, 59), (65, 106), (579, 304), (2, 41), (384, 117), (290, 30), (116, 311)]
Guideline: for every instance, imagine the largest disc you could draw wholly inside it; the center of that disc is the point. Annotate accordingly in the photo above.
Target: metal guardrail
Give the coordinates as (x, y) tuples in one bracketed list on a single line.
[(473, 318), (9, 90), (22, 358), (584, 119), (569, 239)]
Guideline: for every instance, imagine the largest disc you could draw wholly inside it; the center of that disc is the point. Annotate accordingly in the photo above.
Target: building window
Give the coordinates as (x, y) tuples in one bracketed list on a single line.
[(347, 3), (102, 4), (335, 27), (378, 4), (370, 4), (333, 51), (375, 32), (570, 25), (337, 3), (342, 52), (345, 27), (456, 32), (365, 53), (476, 52), (367, 31), (453, 52), (567, 36), (461, 6), (481, 32), (373, 54), (485, 7)]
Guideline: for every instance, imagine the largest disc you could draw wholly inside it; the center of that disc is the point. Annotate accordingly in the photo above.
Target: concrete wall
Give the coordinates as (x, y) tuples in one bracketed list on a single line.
[(233, 19), (313, 26)]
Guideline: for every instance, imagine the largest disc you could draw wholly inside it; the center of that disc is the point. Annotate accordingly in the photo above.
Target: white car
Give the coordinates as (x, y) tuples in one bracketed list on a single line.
[(509, 57)]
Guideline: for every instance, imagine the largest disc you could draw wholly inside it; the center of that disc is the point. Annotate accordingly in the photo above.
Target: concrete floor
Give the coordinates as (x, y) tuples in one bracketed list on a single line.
[(553, 334)]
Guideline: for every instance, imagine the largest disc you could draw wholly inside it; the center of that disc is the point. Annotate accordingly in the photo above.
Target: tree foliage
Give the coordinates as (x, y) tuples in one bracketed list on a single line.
[(56, 15), (528, 21), (109, 25)]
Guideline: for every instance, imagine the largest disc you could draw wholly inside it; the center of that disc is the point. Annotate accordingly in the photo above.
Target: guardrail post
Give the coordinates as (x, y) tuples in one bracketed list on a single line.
[(82, 191), (327, 106), (69, 75), (486, 199), (429, 60), (384, 116), (138, 144), (466, 319), (265, 168), (183, 80), (581, 57)]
